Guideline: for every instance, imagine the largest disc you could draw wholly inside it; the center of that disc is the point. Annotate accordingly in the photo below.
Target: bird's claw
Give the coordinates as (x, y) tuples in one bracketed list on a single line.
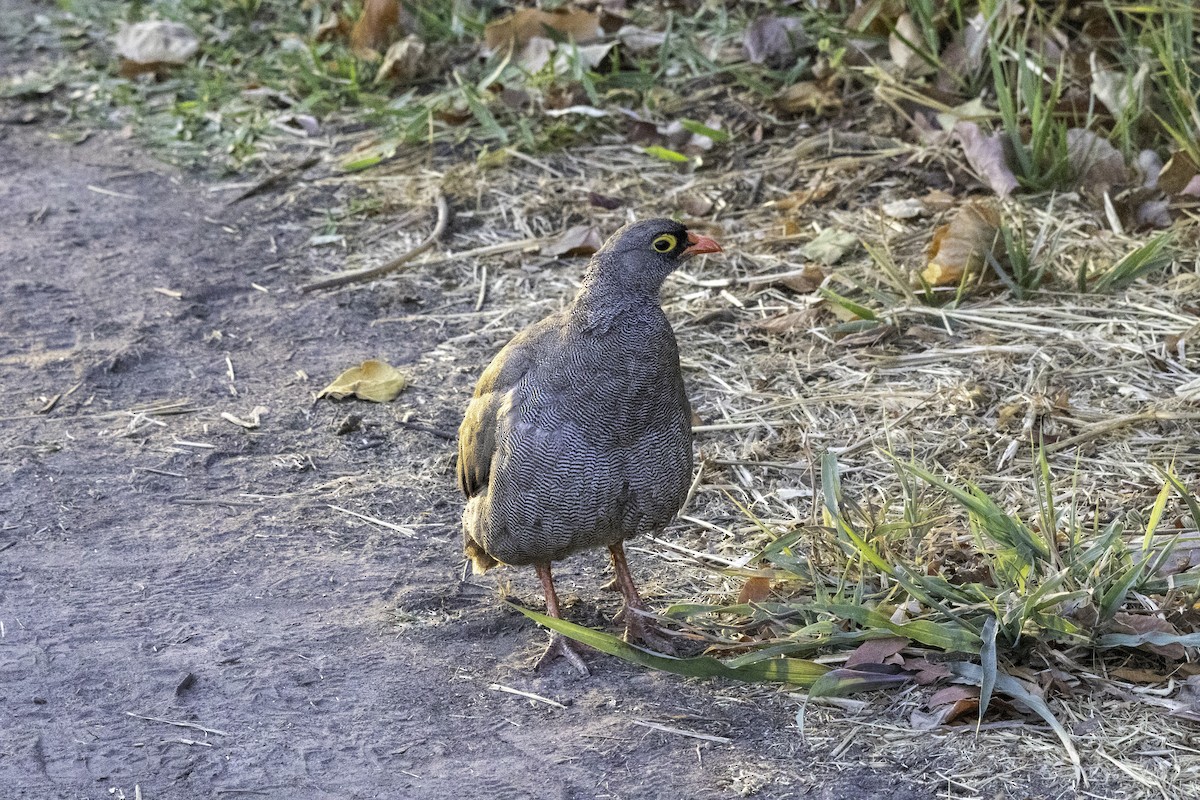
[(639, 628), (561, 646)]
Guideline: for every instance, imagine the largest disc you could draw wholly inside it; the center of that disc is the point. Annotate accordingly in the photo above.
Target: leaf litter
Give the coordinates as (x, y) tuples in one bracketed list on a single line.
[(936, 389)]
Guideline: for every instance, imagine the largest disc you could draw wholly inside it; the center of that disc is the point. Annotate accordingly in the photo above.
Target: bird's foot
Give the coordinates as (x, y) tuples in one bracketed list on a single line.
[(639, 628), (561, 646)]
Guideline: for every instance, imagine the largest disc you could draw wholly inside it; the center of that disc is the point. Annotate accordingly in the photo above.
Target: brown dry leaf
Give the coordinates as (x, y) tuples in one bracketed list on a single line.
[(695, 204), (377, 28), (960, 247), (876, 651), (333, 29), (807, 281), (154, 46), (952, 694), (604, 201), (518, 28), (946, 706), (404, 61), (1135, 675), (1123, 622), (1177, 173), (578, 240), (1096, 164), (804, 96), (875, 17), (927, 671), (803, 197), (937, 200), (755, 590), (775, 41), (986, 156), (786, 323), (371, 380)]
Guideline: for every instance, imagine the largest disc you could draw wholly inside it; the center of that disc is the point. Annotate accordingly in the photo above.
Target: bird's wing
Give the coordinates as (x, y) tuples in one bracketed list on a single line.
[(477, 434)]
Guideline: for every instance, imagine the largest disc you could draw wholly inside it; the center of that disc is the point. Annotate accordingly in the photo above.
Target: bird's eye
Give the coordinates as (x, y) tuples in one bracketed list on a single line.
[(665, 243)]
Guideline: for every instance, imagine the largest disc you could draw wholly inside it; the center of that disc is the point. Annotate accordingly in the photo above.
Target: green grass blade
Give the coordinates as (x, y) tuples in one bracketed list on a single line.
[(1010, 686), (987, 670), (792, 671), (944, 636), (862, 312), (844, 682)]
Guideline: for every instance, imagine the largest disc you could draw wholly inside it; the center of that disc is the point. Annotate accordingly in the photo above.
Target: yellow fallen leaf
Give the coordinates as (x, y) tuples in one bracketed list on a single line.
[(806, 96), (154, 46), (371, 380), (376, 29), (403, 62), (961, 247), (525, 23)]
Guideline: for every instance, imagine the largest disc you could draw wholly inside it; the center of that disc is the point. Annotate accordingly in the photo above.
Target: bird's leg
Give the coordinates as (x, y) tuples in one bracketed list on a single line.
[(559, 644), (633, 612)]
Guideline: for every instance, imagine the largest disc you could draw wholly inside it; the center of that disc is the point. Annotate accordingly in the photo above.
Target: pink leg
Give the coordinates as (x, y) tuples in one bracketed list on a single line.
[(559, 644), (633, 612)]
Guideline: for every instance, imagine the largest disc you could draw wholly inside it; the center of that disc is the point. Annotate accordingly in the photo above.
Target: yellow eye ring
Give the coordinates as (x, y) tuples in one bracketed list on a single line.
[(665, 243)]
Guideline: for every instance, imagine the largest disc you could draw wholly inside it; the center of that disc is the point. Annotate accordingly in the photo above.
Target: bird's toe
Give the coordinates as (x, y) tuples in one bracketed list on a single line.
[(561, 646)]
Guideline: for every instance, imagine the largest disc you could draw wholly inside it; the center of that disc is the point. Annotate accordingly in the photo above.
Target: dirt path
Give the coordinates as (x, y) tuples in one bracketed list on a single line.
[(183, 612)]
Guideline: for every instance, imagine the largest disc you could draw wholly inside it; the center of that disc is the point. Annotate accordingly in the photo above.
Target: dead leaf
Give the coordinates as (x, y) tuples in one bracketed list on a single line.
[(334, 29), (875, 17), (377, 28), (154, 46), (371, 380), (952, 694), (786, 322), (604, 201), (963, 55), (907, 208), (902, 41), (1123, 622), (806, 281), (803, 197), (578, 240), (829, 246), (927, 672), (986, 156), (404, 61), (519, 27), (960, 247), (1096, 164), (1116, 90), (804, 96), (755, 590), (640, 41), (775, 41), (695, 204), (1177, 173), (535, 56), (876, 651)]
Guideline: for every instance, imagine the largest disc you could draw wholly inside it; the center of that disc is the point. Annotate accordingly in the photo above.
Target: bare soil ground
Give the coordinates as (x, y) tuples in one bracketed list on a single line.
[(185, 615)]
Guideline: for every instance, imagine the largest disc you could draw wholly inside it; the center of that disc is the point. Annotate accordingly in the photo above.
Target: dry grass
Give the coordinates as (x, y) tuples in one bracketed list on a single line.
[(962, 388)]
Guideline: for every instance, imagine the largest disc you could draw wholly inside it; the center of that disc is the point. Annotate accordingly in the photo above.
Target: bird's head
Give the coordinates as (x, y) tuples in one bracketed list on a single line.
[(640, 255)]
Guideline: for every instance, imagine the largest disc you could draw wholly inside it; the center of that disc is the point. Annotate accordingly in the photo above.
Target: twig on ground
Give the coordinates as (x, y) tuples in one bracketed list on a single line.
[(359, 276)]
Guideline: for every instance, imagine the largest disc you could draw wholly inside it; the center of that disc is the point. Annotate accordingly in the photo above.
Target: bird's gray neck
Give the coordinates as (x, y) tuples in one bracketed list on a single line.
[(599, 305)]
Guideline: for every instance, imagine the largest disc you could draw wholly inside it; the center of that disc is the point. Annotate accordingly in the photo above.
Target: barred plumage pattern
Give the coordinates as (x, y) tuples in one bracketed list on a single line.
[(579, 433)]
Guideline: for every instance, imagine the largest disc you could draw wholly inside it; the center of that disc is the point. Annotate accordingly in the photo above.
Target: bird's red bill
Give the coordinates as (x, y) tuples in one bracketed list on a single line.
[(698, 244)]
